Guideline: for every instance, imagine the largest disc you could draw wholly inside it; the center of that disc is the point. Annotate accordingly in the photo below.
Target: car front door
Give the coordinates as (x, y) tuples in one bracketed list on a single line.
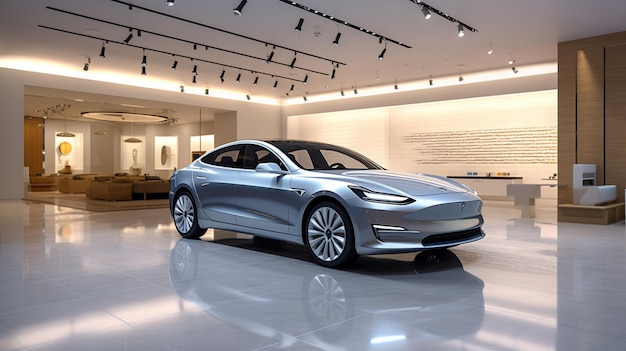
[(262, 197)]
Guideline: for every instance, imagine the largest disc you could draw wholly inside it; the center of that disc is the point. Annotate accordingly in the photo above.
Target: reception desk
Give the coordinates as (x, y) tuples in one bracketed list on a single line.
[(488, 186)]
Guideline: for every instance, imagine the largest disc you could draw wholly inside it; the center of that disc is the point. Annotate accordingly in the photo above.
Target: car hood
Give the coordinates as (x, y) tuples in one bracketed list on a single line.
[(415, 184)]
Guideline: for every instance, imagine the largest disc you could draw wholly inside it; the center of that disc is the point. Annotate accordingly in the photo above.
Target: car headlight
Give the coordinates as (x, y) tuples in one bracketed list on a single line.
[(373, 196)]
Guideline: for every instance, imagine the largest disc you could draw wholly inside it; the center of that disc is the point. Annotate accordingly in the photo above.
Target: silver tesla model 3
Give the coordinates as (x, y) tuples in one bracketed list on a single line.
[(338, 203)]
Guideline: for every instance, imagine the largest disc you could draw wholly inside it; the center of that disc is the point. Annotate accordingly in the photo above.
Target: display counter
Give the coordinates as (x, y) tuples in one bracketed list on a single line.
[(488, 185)]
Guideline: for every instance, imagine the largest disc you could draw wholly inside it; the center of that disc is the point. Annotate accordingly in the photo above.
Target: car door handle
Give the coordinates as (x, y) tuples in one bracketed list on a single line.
[(199, 177), (205, 184)]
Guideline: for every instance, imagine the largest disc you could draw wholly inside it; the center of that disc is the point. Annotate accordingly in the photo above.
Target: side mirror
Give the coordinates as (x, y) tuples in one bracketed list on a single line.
[(270, 167)]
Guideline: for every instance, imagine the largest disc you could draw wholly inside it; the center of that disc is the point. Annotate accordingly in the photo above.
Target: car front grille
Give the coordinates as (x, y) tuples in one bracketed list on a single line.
[(452, 238)]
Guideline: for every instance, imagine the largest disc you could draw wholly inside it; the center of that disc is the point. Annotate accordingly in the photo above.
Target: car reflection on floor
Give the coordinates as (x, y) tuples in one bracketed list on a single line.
[(282, 299)]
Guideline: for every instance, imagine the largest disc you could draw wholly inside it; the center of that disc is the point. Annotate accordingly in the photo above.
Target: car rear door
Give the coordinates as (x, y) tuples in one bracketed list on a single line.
[(214, 182)]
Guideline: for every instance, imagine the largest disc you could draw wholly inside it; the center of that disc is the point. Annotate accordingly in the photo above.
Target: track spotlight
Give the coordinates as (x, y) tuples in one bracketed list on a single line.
[(511, 61), (256, 80), (275, 84), (144, 60), (206, 91), (426, 12), (304, 97), (239, 8), (293, 62), (299, 26), (382, 54), (514, 69), (195, 70), (430, 82), (269, 58), (143, 70), (222, 76), (129, 37), (460, 78), (193, 80), (138, 32), (337, 37), (182, 89), (238, 79), (461, 31), (248, 95), (86, 66), (170, 3), (291, 89), (174, 65), (355, 91), (342, 93), (102, 51), (306, 78), (195, 46), (332, 76), (395, 86)]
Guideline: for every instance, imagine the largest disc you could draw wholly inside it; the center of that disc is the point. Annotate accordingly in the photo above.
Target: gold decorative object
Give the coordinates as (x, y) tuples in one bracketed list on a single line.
[(65, 148)]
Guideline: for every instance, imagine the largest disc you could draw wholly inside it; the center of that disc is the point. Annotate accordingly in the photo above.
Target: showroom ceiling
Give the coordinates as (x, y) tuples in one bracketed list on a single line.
[(209, 42)]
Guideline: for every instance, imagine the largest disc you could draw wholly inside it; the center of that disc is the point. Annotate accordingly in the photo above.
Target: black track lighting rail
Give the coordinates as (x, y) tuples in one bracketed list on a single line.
[(266, 43), (344, 23), (195, 43), (191, 58), (443, 15)]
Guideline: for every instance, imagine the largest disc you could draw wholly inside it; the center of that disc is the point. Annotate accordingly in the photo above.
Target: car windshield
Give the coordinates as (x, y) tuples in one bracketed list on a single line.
[(319, 156)]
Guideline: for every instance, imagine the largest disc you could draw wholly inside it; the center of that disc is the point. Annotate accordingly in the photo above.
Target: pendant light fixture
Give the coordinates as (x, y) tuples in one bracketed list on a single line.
[(132, 139), (65, 133)]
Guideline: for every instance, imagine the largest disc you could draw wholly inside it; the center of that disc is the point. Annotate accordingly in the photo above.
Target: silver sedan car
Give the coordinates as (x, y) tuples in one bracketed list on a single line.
[(338, 203)]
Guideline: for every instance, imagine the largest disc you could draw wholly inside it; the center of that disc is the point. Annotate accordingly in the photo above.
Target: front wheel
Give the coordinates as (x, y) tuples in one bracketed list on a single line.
[(329, 235), (185, 214)]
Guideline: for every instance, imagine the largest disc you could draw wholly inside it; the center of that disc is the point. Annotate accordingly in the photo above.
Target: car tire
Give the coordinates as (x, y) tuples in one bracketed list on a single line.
[(185, 215), (329, 235)]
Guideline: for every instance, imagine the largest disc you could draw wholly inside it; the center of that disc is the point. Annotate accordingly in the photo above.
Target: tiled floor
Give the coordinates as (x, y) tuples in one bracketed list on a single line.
[(76, 280)]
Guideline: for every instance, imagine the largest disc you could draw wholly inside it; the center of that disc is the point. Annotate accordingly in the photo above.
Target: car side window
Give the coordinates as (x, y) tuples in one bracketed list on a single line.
[(228, 157), (256, 154)]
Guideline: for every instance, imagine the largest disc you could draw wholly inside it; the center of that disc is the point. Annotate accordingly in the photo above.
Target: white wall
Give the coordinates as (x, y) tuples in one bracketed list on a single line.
[(513, 133)]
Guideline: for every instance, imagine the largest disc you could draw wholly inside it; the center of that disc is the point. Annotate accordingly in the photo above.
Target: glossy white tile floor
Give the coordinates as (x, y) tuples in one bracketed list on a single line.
[(75, 280)]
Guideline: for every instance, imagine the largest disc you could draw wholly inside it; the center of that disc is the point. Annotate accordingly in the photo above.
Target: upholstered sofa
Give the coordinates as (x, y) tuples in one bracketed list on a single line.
[(77, 184), (122, 187)]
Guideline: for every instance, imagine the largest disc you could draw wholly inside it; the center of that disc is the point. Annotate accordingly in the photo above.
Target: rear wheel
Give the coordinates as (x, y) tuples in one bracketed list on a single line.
[(329, 235), (185, 214)]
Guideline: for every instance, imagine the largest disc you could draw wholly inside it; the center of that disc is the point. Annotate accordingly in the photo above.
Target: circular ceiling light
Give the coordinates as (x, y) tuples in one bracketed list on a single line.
[(125, 117)]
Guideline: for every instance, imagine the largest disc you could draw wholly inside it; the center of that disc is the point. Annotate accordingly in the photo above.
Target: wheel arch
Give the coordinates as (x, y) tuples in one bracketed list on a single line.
[(314, 202)]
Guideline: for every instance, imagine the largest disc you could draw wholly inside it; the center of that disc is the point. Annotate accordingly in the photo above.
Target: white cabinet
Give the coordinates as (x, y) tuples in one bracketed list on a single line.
[(487, 186)]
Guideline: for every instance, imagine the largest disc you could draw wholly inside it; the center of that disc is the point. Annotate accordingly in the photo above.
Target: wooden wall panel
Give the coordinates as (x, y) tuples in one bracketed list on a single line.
[(566, 123), (590, 109), (33, 145), (616, 118)]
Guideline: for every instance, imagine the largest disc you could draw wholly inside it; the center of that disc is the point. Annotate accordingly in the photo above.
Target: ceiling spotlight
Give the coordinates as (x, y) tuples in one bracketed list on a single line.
[(304, 97), (355, 91), (293, 62), (382, 54), (337, 37), (275, 84), (182, 89), (395, 86), (144, 60), (222, 76), (193, 80), (195, 70), (269, 58), (256, 80), (514, 69), (129, 37), (299, 26), (239, 8), (206, 91), (461, 31), (430, 82), (143, 70), (170, 3), (174, 65), (247, 95), (426, 12), (138, 32), (102, 51), (306, 78), (342, 93), (292, 86), (86, 66), (238, 79), (195, 46), (332, 76), (511, 61), (460, 78)]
